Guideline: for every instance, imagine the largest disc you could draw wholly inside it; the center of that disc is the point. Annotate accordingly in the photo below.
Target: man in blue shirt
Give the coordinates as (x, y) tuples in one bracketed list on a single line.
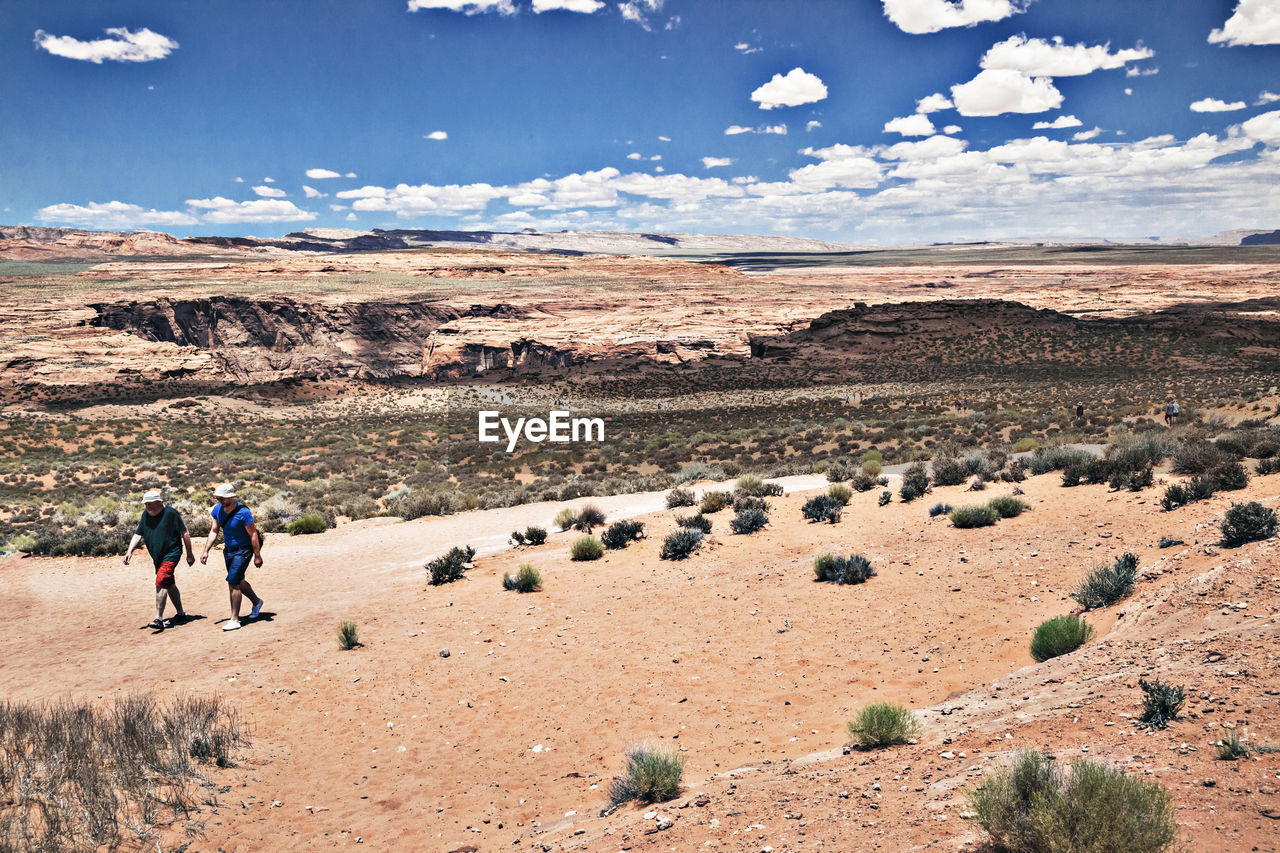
[(241, 543)]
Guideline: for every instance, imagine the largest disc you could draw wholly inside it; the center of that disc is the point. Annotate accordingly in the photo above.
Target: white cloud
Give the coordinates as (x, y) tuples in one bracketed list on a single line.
[(1264, 128), (351, 217), (634, 155), (437, 135), (1213, 105), (929, 16), (123, 46), (312, 192), (713, 162), (735, 129), (1253, 22), (1086, 135), (1135, 71), (337, 207), (656, 157), (952, 128), (995, 92), (933, 103), (320, 174), (796, 87), (1040, 58), (1058, 123), (813, 125), (406, 200), (585, 7), (776, 129), (1266, 98), (744, 48), (112, 215), (638, 11), (268, 180), (239, 180), (221, 210), (469, 7), (664, 138), (270, 192), (349, 175), (912, 125)]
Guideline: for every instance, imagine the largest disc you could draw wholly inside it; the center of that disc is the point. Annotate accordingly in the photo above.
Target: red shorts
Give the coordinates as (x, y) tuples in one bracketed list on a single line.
[(164, 574)]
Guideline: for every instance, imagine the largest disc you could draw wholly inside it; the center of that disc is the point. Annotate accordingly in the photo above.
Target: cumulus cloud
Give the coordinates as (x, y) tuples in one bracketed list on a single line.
[(952, 128), (1135, 71), (638, 11), (1086, 135), (585, 7), (321, 174), (270, 192), (842, 167), (929, 16), (1040, 58), (469, 7), (437, 135), (1264, 128), (997, 91), (1213, 105), (813, 125), (311, 192), (219, 210), (634, 155), (1058, 123), (122, 46), (1266, 98), (1253, 22), (735, 129), (112, 215), (713, 162), (913, 125), (933, 103), (792, 89)]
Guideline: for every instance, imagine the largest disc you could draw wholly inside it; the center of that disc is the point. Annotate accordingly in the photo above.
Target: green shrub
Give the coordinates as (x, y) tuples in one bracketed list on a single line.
[(1106, 585), (1024, 445), (1058, 636), (416, 504), (1032, 807), (1197, 456), (695, 522), (527, 579), (535, 535), (1174, 497), (822, 508), (939, 509), (840, 492), (865, 482), (622, 533), (1247, 522), (823, 566), (586, 548), (348, 636), (749, 520), (680, 497), (449, 568), (651, 775), (1015, 471), (883, 724), (1228, 477), (1057, 457), (743, 502), (872, 468), (307, 524), (750, 484), (915, 483), (973, 515), (1007, 506), (1161, 703), (680, 544), (872, 455), (715, 501), (588, 517), (854, 569), (949, 470), (565, 518), (885, 497)]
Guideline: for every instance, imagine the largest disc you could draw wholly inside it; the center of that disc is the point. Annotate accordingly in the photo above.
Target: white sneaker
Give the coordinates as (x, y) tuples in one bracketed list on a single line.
[(253, 614), (231, 626)]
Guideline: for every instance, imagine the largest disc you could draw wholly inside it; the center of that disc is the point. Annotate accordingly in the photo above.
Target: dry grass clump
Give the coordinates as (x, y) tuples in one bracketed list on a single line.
[(586, 548), (883, 724), (74, 776), (1106, 585), (652, 775), (348, 636), (527, 579)]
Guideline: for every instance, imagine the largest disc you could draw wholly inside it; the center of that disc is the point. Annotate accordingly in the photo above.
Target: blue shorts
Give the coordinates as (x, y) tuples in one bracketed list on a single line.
[(237, 564)]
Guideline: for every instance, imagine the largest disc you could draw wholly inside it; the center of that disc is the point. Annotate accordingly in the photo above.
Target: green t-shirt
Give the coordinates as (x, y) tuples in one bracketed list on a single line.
[(163, 534)]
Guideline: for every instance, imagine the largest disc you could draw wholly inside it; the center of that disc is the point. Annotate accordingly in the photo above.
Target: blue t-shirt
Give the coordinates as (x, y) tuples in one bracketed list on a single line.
[(235, 537)]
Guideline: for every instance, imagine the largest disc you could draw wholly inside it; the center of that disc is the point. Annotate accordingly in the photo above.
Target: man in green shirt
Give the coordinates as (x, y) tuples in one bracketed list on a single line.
[(165, 534)]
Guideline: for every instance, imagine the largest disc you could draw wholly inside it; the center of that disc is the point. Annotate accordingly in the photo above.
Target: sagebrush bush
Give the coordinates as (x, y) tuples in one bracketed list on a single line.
[(535, 535), (1014, 472), (1058, 636), (589, 516), (883, 724), (1161, 703), (306, 525), (651, 775), (1057, 457), (1267, 466), (1024, 445), (750, 484), (586, 548), (1106, 585), (416, 504), (1247, 522), (749, 520), (450, 566), (695, 522), (678, 497), (854, 569), (714, 502), (939, 509), (885, 497), (915, 483), (1032, 807), (565, 518), (681, 544), (949, 470), (1228, 477), (622, 533), (1196, 456), (872, 468), (840, 492), (1007, 506), (865, 482), (348, 636), (973, 515), (822, 508), (527, 579)]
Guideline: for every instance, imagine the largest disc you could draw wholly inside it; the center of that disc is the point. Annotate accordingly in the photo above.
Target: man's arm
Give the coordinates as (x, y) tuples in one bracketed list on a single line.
[(133, 546), (191, 554), (208, 543), (256, 541)]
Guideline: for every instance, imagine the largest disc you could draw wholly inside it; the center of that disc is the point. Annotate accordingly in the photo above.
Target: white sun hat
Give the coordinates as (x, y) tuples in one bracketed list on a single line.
[(226, 490), (153, 495)]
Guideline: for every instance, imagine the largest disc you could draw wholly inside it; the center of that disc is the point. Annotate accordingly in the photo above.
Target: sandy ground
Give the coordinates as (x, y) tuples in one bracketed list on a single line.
[(736, 657)]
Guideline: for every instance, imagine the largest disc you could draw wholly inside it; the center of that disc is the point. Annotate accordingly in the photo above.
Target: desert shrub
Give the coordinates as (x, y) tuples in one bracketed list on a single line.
[(885, 497), (973, 515), (1267, 466), (527, 579), (416, 504), (682, 543), (1134, 481), (307, 524), (588, 517), (348, 636), (1086, 470), (939, 509), (744, 502), (651, 775), (565, 518), (840, 470), (750, 484), (450, 566), (883, 724), (1231, 747), (1228, 477), (854, 569), (1057, 457), (586, 548), (949, 470), (1247, 522), (1058, 636), (714, 502), (697, 471), (85, 539), (1168, 542), (1032, 807), (840, 492), (1007, 506), (749, 520), (1175, 496), (865, 482), (915, 483), (1106, 585), (977, 463), (535, 535), (622, 533), (1196, 456), (1161, 703), (695, 522), (771, 490), (680, 497), (1135, 452), (977, 485), (1015, 471), (872, 468), (872, 455), (822, 508), (1024, 445)]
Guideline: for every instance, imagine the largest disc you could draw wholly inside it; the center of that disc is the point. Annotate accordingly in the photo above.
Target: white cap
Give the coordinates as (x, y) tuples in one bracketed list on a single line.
[(226, 490), (153, 495)]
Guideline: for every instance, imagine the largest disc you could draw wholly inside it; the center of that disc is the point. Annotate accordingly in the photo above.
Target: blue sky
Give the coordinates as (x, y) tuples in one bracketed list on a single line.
[(877, 122)]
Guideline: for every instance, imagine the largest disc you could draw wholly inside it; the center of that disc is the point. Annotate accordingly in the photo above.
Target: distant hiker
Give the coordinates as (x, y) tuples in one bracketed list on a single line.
[(241, 543), (165, 534), (1171, 412), (1079, 410)]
